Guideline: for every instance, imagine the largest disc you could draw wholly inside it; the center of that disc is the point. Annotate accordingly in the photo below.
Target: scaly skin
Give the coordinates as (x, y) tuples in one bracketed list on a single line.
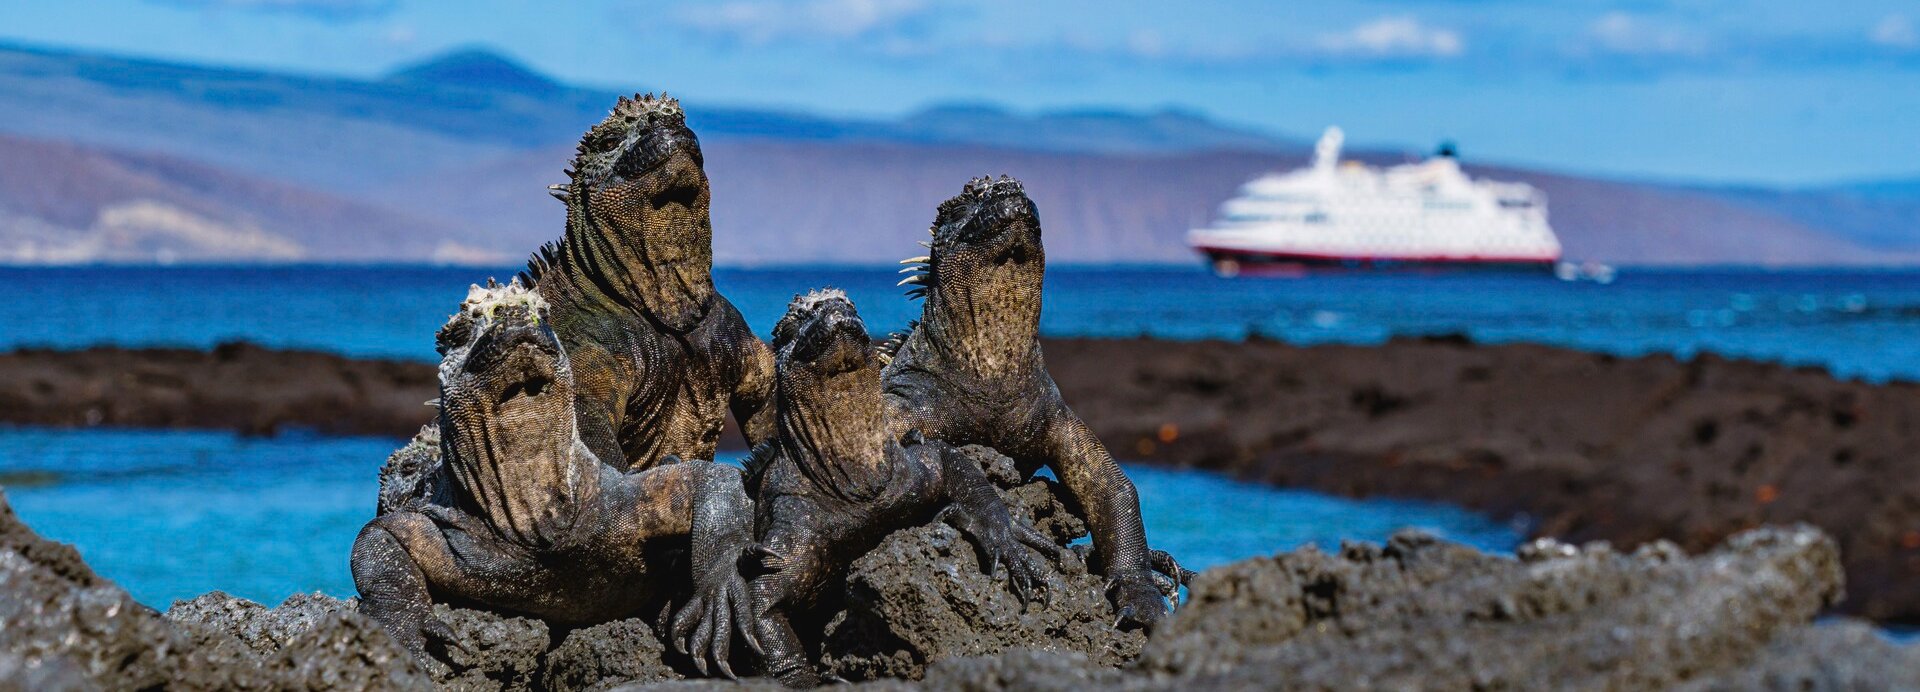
[(518, 515), (833, 482), (970, 371), (659, 356)]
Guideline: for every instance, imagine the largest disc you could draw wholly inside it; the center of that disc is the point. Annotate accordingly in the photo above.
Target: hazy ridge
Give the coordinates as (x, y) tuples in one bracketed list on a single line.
[(114, 159)]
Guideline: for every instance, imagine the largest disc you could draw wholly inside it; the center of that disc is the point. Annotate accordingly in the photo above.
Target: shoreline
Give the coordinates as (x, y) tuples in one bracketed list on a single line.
[(1585, 446)]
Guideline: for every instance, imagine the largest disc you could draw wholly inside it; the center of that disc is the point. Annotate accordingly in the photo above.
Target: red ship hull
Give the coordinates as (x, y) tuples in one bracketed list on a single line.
[(1230, 261)]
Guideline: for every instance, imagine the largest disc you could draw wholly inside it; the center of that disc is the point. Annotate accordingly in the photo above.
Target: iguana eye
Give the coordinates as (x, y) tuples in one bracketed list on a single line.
[(606, 140)]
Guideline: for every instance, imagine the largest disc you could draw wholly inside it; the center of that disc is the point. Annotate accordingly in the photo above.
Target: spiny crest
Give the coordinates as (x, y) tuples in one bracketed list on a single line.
[(539, 265), (626, 113), (640, 105), (478, 311), (485, 301), (919, 274), (754, 467), (891, 346), (978, 190), (800, 308), (813, 299)]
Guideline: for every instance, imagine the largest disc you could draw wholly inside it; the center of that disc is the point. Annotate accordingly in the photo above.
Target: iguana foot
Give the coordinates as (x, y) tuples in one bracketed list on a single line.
[(1169, 575), (1137, 600), (416, 631), (704, 627), (998, 543)]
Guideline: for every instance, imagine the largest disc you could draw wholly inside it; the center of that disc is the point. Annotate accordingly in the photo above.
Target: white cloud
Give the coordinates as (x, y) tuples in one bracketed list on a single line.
[(1626, 34), (1147, 43), (759, 21), (1394, 37), (1895, 30)]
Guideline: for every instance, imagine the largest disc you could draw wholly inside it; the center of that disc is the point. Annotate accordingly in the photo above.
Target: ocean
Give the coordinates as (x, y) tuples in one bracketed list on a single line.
[(171, 514), (1862, 324)]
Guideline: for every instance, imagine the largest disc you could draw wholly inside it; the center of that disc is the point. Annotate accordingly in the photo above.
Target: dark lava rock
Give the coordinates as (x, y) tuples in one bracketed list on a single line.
[(58, 618), (1838, 656), (263, 630), (1022, 669), (19, 673), (1424, 614), (920, 597), (345, 651), (1588, 446), (496, 652), (1415, 613), (310, 642), (236, 386), (605, 656)]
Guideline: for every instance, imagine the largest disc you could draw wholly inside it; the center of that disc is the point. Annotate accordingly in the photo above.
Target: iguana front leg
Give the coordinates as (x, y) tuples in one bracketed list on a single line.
[(393, 584), (792, 567), (720, 527), (1113, 516)]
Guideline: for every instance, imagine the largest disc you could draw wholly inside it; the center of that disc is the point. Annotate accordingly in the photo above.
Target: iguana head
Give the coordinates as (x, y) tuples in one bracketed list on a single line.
[(983, 276), (827, 395), (821, 336), (637, 210), (507, 419)]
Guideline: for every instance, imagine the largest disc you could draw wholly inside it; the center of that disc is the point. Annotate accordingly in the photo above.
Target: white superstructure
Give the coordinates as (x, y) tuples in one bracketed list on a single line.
[(1351, 215)]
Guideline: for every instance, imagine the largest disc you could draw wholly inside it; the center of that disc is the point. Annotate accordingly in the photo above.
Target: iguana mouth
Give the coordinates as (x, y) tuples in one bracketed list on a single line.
[(834, 341), (517, 346), (823, 332), (993, 221)]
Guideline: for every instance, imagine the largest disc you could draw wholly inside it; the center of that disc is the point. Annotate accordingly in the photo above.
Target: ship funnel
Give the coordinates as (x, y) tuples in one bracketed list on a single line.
[(1326, 154)]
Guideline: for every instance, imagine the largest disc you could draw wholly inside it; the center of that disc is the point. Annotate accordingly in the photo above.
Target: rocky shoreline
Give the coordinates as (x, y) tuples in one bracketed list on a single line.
[(1415, 612), (1585, 446)]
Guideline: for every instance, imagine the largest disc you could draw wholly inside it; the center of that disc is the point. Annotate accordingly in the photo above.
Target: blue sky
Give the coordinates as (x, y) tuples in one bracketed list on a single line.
[(1779, 91)]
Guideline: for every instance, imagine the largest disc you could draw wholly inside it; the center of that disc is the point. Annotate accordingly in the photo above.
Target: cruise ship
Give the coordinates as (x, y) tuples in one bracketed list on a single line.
[(1346, 215)]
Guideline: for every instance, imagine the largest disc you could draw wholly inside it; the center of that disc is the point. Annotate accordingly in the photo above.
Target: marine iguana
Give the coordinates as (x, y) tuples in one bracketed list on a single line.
[(970, 371), (833, 482), (658, 355), (517, 514)]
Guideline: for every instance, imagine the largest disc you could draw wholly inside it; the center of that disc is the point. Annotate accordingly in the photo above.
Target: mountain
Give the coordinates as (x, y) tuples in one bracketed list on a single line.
[(1881, 214), (1087, 130), (474, 68), (66, 203), (350, 135), (780, 201), (448, 159)]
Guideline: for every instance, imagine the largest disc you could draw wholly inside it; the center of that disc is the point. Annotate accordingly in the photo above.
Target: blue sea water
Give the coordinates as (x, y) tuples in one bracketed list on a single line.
[(173, 514), (1862, 324)]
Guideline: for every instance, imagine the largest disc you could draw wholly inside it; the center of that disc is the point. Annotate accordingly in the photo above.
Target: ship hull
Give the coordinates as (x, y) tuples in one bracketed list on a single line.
[(1231, 262)]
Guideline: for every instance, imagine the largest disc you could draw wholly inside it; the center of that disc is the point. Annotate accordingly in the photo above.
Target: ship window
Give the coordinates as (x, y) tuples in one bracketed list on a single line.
[(1516, 203), (1315, 217)]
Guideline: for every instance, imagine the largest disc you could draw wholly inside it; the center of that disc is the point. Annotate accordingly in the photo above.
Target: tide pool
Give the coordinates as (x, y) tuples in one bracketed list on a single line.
[(172, 514)]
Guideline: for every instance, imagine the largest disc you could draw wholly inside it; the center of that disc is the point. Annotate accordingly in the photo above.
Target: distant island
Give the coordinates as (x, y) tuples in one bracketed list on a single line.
[(447, 160)]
